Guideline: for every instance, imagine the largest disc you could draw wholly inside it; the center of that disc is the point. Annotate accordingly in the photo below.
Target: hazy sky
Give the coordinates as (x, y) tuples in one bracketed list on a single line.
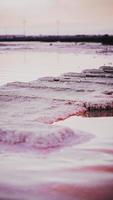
[(56, 16)]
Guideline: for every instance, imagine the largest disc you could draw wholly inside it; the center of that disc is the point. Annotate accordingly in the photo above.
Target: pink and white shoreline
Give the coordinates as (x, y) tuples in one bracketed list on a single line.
[(74, 172), (46, 151)]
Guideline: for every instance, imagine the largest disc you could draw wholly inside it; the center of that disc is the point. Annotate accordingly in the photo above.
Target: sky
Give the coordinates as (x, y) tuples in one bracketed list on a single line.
[(56, 17)]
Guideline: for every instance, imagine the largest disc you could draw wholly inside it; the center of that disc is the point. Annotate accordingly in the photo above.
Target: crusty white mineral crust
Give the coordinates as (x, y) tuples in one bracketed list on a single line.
[(28, 110)]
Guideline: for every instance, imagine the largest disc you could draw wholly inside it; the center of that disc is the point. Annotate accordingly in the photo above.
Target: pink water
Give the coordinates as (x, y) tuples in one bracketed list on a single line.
[(81, 167)]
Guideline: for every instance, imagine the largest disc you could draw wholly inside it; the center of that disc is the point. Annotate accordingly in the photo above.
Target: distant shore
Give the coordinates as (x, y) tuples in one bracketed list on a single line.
[(104, 39)]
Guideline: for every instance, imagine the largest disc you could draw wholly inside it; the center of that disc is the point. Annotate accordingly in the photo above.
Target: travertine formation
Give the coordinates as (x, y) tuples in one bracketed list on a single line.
[(28, 110)]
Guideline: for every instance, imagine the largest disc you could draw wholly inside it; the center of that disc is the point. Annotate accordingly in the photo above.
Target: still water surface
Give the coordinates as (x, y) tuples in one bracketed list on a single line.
[(29, 61)]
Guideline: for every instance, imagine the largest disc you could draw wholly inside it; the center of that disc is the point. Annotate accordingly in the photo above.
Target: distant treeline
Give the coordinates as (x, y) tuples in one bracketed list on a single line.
[(104, 39)]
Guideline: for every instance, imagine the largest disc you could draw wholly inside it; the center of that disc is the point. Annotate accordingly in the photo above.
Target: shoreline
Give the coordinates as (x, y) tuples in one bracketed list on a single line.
[(103, 39)]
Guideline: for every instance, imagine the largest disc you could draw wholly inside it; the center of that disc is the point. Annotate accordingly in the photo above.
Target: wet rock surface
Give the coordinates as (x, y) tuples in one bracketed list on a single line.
[(33, 107)]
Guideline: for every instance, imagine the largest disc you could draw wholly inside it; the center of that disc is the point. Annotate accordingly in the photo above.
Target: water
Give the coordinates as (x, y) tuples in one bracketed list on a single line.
[(82, 171), (29, 61)]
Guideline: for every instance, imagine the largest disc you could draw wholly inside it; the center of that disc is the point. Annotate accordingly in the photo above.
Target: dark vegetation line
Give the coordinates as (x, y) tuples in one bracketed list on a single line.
[(104, 39)]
